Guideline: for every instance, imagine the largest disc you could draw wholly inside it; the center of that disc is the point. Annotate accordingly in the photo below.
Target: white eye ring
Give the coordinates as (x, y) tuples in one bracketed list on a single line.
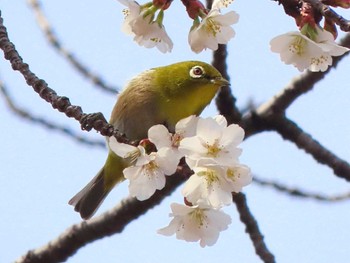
[(197, 72)]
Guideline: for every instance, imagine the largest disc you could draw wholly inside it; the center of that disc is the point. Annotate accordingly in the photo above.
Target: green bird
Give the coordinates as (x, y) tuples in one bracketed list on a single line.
[(162, 95)]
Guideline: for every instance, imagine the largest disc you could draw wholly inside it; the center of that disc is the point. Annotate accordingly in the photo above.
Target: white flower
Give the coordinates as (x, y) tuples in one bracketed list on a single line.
[(214, 185), (153, 35), (214, 29), (147, 177), (196, 223), (139, 23), (297, 49), (147, 172), (237, 177), (131, 153), (326, 41), (130, 15), (208, 185), (213, 144), (221, 4), (161, 138)]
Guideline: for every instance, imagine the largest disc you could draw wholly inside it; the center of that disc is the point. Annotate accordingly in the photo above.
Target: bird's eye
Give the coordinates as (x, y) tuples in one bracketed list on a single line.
[(196, 72)]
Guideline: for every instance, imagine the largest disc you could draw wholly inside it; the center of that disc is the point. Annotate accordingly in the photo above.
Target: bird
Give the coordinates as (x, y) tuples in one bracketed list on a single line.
[(162, 95)]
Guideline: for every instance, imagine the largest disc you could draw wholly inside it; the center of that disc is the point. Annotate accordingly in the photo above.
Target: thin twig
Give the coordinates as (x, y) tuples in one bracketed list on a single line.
[(330, 14), (252, 228), (25, 114), (300, 193), (51, 37)]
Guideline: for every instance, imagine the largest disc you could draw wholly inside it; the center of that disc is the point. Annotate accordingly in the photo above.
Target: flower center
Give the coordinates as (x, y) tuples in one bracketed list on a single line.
[(297, 46), (213, 149), (226, 3), (199, 217), (210, 176), (156, 39), (126, 12), (231, 174), (176, 139), (212, 26), (319, 61), (150, 168)]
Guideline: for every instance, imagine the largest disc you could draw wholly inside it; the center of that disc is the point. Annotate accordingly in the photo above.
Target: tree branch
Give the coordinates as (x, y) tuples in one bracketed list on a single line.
[(225, 101), (88, 121), (109, 223), (112, 222), (279, 103), (252, 228), (292, 132), (53, 40), (300, 193), (330, 14), (301, 85), (25, 114)]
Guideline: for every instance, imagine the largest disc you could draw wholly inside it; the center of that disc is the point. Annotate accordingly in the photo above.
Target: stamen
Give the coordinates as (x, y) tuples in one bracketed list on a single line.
[(297, 46)]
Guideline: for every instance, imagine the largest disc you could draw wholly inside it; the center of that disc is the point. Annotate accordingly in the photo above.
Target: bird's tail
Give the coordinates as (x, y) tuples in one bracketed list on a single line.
[(91, 196), (88, 200)]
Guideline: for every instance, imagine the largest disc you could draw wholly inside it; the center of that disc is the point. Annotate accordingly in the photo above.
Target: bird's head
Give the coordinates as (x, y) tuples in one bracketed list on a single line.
[(187, 86), (187, 76)]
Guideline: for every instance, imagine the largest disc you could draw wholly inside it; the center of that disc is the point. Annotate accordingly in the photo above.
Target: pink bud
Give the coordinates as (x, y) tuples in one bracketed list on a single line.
[(148, 145), (194, 8), (188, 203), (162, 4), (330, 26)]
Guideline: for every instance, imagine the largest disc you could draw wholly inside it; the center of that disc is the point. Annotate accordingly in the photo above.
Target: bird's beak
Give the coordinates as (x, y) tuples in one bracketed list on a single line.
[(220, 81)]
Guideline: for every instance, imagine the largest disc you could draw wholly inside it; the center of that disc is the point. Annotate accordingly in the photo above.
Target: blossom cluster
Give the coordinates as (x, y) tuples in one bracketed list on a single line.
[(145, 23), (210, 149), (311, 48)]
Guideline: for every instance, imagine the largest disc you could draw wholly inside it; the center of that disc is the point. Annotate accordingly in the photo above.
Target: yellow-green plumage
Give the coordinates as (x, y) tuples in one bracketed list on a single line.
[(161, 95)]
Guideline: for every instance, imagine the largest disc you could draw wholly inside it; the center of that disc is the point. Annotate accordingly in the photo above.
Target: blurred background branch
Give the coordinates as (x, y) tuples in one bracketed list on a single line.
[(53, 40)]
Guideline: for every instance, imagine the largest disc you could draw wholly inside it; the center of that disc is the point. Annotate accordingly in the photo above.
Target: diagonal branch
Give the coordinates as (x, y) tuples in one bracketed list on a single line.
[(300, 193), (25, 114), (107, 224), (252, 228), (292, 132), (56, 44), (88, 121), (225, 101)]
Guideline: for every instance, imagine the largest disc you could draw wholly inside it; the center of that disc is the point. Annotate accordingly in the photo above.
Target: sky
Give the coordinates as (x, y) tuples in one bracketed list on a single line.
[(42, 169)]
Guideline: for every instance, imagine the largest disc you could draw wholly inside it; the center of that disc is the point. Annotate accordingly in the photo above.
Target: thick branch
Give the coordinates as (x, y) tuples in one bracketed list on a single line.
[(56, 44), (107, 224), (252, 228), (225, 101)]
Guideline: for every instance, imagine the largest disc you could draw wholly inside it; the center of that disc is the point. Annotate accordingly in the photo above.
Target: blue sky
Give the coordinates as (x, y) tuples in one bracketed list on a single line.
[(41, 170)]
